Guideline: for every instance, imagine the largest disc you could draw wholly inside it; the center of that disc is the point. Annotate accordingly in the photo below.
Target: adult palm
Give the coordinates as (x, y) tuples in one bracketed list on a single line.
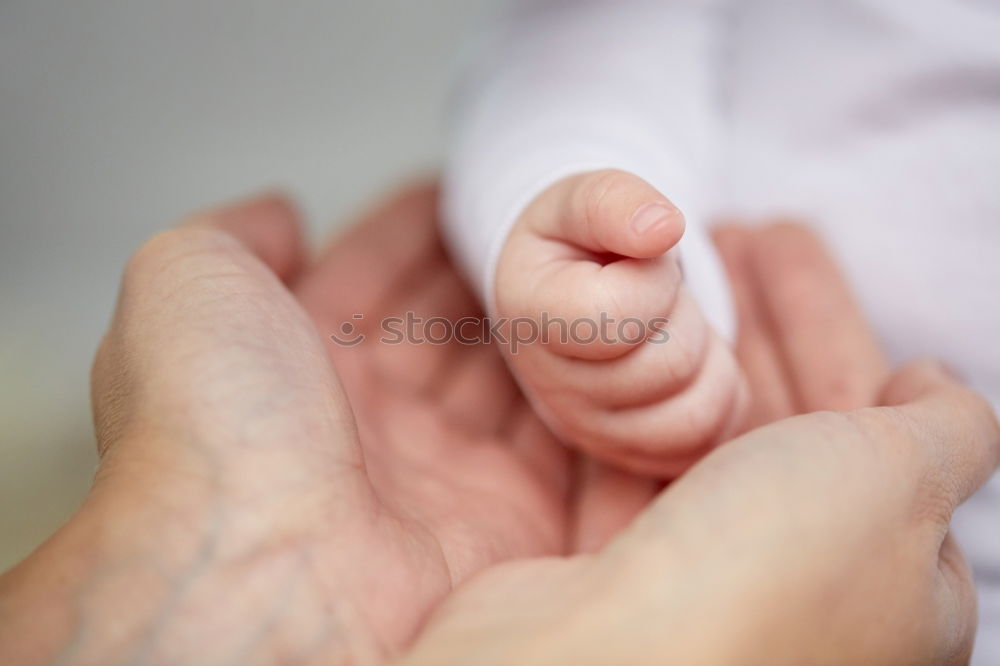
[(344, 488)]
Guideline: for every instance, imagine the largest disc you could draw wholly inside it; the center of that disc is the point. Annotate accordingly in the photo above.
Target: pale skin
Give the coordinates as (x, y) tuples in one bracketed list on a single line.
[(593, 247), (267, 496)]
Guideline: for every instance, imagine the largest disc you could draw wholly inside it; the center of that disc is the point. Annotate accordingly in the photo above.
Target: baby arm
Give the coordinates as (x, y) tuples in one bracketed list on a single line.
[(572, 127)]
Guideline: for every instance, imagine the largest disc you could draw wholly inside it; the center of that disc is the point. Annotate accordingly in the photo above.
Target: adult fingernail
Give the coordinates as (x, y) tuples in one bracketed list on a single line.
[(653, 217)]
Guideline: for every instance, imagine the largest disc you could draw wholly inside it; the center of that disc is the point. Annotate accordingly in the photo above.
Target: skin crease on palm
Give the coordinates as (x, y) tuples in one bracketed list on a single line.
[(266, 495)]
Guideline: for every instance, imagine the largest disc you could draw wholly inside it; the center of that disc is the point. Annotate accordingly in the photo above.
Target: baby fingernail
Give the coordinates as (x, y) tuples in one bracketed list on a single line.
[(653, 216)]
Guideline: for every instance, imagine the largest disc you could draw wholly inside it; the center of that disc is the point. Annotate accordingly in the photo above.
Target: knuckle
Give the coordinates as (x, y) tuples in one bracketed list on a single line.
[(894, 433), (601, 187), (685, 354), (793, 242), (579, 293), (683, 365), (605, 300), (981, 411), (705, 425), (984, 429)]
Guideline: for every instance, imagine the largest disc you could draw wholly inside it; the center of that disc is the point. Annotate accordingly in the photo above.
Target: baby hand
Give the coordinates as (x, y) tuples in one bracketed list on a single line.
[(587, 267)]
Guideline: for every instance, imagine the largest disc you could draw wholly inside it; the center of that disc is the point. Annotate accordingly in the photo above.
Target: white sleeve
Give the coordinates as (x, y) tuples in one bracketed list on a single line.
[(566, 86)]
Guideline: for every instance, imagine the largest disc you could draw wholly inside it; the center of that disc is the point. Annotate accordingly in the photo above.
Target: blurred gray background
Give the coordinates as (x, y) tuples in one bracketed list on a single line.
[(118, 117)]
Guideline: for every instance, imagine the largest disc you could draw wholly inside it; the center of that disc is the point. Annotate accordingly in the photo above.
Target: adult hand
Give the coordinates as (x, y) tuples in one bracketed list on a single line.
[(244, 511), (820, 539)]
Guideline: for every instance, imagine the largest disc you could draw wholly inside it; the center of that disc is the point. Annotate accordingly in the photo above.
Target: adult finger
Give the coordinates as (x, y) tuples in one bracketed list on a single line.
[(954, 441), (755, 348), (608, 499), (351, 303), (830, 353), (400, 237), (269, 226), (954, 431)]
